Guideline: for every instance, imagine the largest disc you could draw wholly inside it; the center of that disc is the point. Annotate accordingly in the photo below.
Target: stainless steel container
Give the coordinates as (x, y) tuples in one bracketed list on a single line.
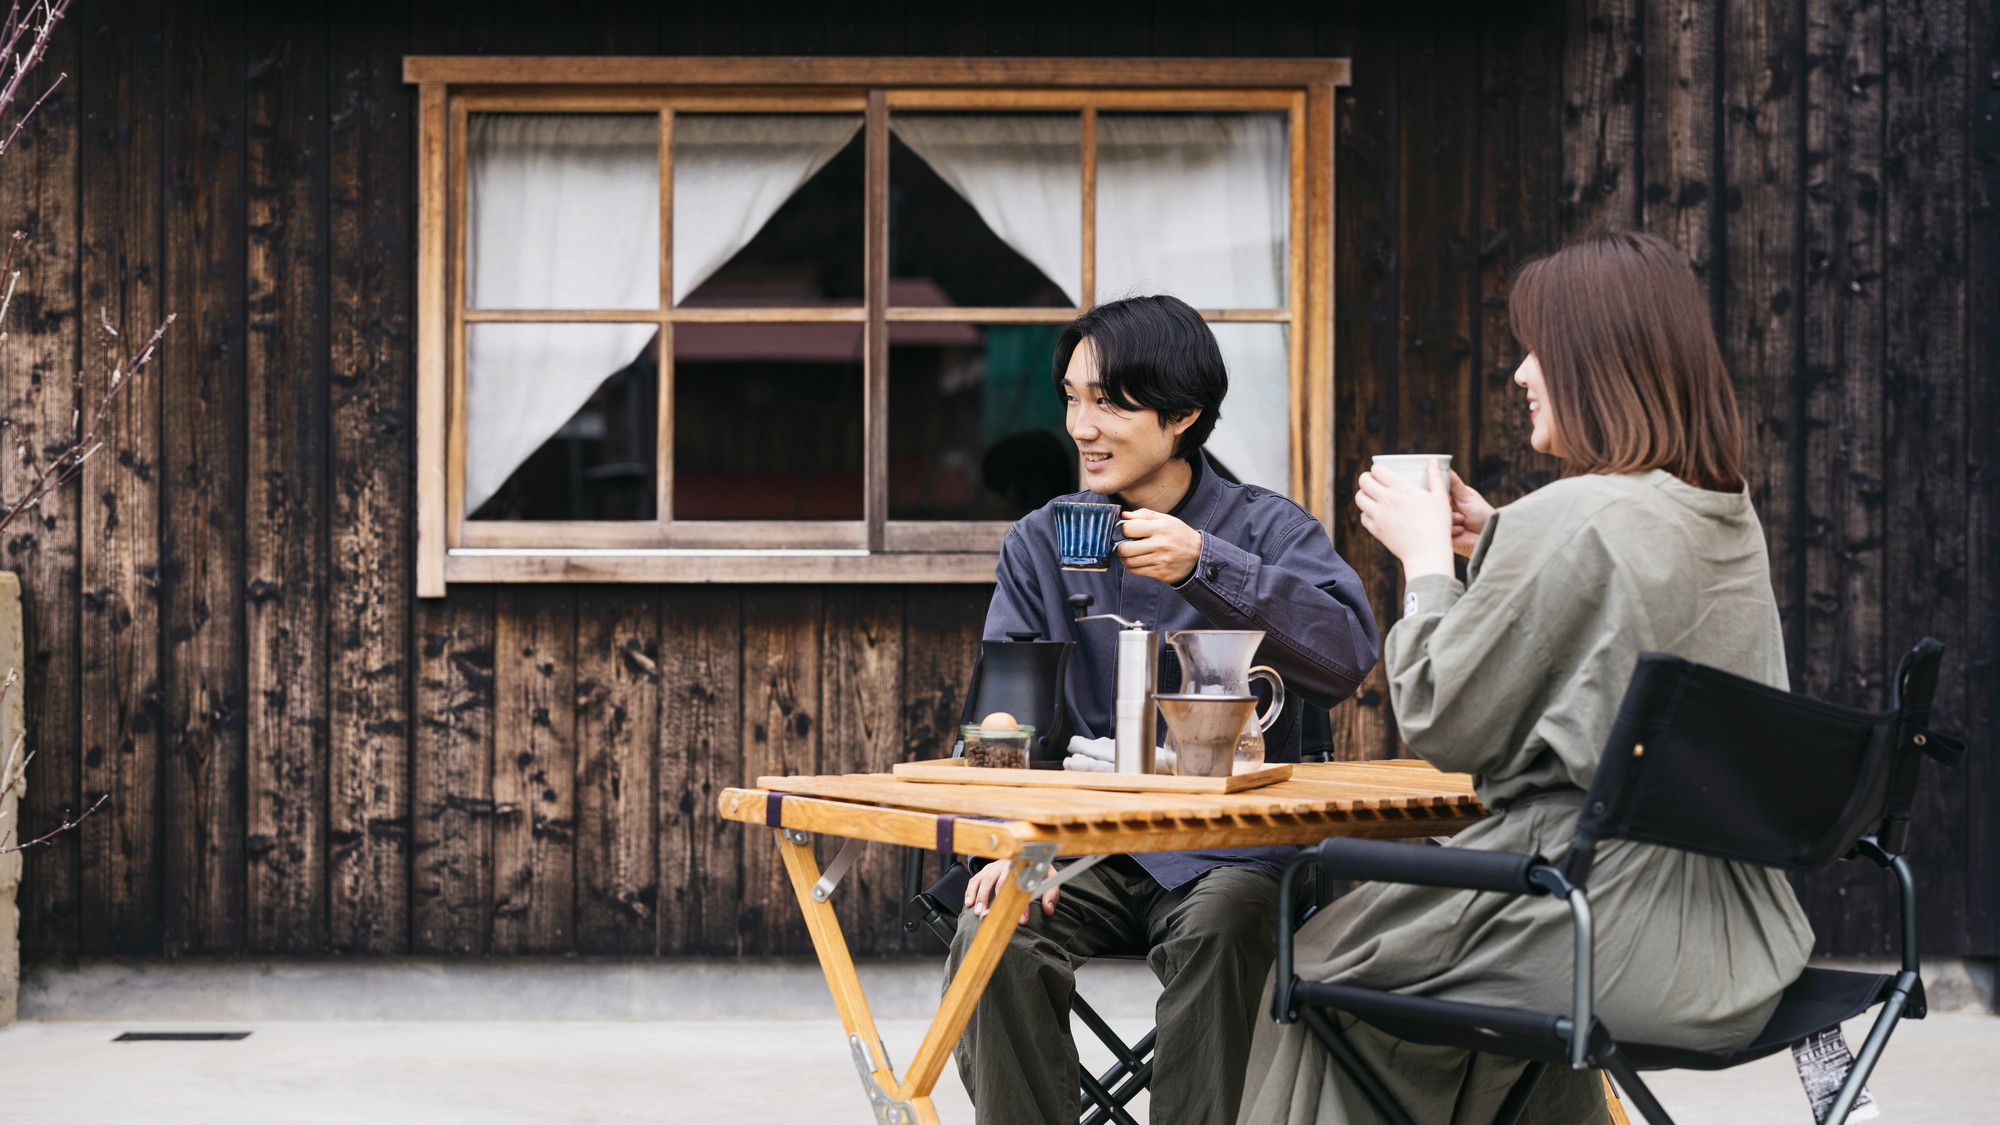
[(1135, 714)]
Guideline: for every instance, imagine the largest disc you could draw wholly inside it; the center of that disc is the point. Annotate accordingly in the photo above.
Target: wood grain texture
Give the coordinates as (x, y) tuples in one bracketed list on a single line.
[(1678, 146), (120, 90), (943, 71), (451, 791), (39, 357), (862, 675), (618, 691), (1520, 167), (1761, 322), (1845, 652), (1603, 71), (1927, 472), (286, 481), (1366, 272), (1981, 781), (204, 447), (370, 201), (701, 670), (783, 716), (534, 770)]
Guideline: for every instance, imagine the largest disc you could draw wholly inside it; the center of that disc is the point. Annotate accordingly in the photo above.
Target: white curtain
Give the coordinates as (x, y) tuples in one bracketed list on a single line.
[(1023, 173), (564, 213), (1196, 205)]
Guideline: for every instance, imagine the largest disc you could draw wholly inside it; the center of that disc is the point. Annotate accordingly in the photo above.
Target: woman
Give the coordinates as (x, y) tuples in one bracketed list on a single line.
[(1649, 543)]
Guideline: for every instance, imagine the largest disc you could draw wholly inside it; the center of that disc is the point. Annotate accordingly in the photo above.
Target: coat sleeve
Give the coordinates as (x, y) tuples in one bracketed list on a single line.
[(1492, 679), (1318, 630)]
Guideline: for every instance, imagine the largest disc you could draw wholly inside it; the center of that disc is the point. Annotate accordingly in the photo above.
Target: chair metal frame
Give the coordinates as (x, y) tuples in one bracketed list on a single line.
[(1896, 741)]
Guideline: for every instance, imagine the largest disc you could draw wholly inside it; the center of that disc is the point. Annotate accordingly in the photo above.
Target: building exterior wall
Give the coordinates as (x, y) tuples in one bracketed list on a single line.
[(303, 758)]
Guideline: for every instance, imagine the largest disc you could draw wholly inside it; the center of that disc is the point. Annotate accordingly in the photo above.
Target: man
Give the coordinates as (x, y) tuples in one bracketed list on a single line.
[(1143, 382)]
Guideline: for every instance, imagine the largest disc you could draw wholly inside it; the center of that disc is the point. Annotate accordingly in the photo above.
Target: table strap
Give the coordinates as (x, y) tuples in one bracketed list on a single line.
[(944, 836), (774, 808)]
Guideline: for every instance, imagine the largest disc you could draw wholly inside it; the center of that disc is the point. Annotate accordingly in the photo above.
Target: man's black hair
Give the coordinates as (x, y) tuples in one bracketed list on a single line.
[(1153, 352)]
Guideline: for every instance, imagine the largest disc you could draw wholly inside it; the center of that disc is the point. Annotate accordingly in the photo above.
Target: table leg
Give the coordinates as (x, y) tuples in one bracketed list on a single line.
[(1002, 916), (849, 1001)]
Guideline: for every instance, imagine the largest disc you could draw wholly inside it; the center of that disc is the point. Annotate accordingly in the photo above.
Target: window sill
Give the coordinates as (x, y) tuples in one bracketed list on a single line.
[(679, 566)]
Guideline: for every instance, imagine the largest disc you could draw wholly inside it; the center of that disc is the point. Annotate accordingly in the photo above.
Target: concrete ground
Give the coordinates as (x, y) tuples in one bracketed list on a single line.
[(388, 1073)]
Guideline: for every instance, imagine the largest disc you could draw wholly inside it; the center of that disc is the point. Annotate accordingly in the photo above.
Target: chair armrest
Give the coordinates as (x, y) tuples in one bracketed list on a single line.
[(1345, 857)]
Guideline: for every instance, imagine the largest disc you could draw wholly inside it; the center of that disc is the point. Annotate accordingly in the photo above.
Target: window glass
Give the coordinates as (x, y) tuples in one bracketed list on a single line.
[(1194, 204), (563, 211), (988, 207), (975, 427), (767, 421), (768, 209), (560, 421)]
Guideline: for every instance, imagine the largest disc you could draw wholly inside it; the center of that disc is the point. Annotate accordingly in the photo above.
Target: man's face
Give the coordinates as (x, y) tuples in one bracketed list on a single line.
[(1122, 449)]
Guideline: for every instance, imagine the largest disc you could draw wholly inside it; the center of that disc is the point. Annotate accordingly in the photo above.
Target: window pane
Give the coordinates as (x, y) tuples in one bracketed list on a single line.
[(1253, 437), (563, 211), (975, 427), (767, 421), (561, 421), (768, 209), (986, 210), (1193, 204)]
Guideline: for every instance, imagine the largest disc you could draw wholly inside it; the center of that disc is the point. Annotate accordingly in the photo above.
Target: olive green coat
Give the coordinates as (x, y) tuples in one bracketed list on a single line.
[(1515, 678)]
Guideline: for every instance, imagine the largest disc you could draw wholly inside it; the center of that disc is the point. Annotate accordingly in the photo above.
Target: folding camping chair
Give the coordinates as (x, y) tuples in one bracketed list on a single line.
[(1705, 762)]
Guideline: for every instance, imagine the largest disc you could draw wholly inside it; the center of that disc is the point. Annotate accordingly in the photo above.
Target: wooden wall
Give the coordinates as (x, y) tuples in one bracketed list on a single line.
[(303, 758)]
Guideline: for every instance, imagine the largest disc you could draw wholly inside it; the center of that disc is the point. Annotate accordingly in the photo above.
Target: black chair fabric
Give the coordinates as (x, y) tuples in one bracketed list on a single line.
[(1819, 999), (1708, 762)]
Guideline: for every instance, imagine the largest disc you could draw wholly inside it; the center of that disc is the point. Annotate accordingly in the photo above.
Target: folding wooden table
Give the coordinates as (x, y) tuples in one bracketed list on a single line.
[(1031, 827)]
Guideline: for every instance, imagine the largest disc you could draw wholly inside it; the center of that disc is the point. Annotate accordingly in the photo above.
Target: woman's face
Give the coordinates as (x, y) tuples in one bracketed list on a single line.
[(1528, 376)]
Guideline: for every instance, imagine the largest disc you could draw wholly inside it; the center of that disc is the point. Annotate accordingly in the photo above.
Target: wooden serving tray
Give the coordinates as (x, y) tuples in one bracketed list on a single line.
[(954, 771)]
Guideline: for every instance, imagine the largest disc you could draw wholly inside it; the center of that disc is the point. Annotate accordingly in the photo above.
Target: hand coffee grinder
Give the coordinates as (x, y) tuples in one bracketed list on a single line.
[(1134, 714)]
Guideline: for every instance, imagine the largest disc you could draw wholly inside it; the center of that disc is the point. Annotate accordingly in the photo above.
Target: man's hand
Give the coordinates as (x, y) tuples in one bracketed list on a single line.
[(979, 890), (1159, 546)]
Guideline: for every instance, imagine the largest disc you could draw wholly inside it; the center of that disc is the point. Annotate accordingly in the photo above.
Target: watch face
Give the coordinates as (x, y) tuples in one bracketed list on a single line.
[(1409, 604)]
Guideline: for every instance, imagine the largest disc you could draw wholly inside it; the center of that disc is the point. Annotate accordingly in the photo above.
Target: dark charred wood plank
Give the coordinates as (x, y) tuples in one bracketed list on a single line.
[(863, 664), (203, 465), (1844, 532), (1981, 780), (782, 716), (451, 791), (1603, 81), (1366, 352), (1924, 328), (285, 67), (1678, 134), (120, 86), (1762, 79), (1520, 161), (534, 770), (370, 208), (38, 401), (701, 747), (941, 627), (618, 689)]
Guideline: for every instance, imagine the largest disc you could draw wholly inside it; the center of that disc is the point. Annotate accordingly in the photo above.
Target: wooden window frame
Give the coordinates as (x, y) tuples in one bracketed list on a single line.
[(874, 549)]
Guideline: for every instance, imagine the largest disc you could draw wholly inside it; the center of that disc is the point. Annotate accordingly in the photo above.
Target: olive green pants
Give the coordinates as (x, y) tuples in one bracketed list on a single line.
[(1210, 942)]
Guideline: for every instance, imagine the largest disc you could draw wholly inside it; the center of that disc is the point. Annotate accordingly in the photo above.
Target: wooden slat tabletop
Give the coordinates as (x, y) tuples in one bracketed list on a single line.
[(1346, 788)]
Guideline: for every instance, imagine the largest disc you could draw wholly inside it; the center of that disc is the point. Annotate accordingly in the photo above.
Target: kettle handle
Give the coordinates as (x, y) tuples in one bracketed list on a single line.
[(1277, 706)]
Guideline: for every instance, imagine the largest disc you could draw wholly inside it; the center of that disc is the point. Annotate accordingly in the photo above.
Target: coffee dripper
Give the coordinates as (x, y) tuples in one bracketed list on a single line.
[(1217, 662)]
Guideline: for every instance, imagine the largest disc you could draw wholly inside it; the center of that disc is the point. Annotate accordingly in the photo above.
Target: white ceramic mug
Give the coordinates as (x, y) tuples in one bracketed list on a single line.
[(1413, 467)]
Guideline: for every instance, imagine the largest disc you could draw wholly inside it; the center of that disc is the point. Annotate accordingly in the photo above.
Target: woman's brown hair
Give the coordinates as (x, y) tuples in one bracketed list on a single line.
[(1634, 377)]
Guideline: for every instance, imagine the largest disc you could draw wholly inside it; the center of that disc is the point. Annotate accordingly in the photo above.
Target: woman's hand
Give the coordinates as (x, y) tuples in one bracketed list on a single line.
[(1159, 546), (1469, 512), (1414, 524), (979, 890)]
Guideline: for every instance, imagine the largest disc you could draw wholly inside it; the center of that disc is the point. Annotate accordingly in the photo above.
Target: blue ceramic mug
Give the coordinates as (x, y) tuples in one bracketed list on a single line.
[(1085, 534)]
